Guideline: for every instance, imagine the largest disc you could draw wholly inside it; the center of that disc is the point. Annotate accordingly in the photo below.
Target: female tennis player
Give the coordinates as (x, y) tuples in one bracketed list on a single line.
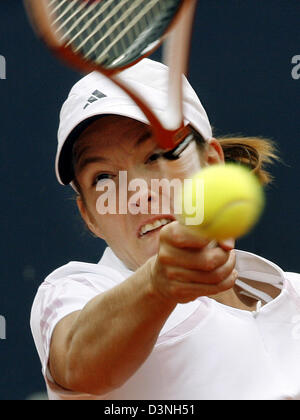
[(162, 315)]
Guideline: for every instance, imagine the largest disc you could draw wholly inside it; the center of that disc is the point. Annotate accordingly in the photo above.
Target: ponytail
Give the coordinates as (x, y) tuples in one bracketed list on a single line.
[(253, 152)]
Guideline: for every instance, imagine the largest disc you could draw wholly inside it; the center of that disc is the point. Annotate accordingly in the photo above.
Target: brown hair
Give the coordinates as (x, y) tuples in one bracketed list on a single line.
[(254, 152)]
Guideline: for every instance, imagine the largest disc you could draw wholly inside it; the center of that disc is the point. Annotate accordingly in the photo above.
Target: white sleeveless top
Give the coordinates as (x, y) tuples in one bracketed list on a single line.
[(206, 350)]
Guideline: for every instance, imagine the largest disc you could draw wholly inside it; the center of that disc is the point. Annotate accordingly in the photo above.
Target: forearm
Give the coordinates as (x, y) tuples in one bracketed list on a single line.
[(115, 333)]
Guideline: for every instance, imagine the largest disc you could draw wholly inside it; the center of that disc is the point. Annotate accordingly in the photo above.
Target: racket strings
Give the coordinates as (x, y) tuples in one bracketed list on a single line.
[(71, 18), (111, 31), (69, 25), (69, 6), (109, 18), (121, 18), (87, 22), (131, 31)]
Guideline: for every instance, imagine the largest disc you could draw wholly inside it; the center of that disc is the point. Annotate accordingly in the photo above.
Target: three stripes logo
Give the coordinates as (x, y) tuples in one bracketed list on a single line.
[(94, 97)]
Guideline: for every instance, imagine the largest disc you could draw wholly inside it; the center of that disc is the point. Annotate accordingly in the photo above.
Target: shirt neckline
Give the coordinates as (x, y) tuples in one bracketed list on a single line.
[(259, 311), (247, 262)]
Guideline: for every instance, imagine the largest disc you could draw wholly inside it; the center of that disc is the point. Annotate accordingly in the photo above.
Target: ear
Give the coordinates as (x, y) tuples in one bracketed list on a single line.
[(214, 153), (88, 218)]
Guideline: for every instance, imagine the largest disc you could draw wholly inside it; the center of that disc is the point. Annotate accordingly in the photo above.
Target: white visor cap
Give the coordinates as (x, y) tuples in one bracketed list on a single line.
[(96, 95)]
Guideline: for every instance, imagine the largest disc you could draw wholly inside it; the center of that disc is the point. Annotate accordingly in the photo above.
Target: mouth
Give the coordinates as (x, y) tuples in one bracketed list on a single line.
[(154, 225)]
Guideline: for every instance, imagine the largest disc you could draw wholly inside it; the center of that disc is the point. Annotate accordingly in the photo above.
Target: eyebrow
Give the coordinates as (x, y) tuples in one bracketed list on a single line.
[(143, 138), (99, 159)]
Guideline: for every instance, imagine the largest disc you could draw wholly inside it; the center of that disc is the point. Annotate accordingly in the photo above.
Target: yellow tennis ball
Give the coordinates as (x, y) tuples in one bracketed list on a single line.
[(222, 201)]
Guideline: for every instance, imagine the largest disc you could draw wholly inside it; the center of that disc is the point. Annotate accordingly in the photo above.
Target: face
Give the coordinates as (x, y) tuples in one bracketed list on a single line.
[(111, 154)]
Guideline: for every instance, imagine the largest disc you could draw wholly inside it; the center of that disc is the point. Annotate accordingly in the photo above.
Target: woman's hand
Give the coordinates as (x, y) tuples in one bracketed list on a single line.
[(187, 267)]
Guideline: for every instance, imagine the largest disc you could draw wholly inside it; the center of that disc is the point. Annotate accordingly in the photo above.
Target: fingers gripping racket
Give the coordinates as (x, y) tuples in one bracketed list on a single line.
[(112, 35)]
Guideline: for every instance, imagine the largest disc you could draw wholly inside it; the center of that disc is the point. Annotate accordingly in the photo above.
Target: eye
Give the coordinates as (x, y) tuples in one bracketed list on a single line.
[(154, 157), (101, 178)]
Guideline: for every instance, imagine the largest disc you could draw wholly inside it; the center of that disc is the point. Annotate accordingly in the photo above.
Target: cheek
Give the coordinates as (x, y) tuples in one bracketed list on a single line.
[(113, 228)]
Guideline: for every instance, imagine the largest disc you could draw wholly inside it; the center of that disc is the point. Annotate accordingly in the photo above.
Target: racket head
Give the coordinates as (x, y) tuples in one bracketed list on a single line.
[(109, 36), (104, 35)]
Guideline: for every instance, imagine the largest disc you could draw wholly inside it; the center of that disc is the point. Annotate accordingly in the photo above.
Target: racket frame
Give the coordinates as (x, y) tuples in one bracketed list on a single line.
[(168, 133)]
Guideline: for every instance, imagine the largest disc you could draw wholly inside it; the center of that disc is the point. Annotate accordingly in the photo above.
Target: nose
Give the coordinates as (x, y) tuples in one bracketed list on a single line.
[(140, 197)]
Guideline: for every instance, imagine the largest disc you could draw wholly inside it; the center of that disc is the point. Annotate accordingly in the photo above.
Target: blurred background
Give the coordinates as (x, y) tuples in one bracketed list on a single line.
[(241, 67)]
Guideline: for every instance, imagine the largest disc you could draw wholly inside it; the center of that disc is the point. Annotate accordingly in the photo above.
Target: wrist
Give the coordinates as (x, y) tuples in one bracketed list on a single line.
[(154, 290)]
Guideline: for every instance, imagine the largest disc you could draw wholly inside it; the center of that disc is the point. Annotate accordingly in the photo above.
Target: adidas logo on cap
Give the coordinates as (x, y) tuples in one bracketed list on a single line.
[(94, 97)]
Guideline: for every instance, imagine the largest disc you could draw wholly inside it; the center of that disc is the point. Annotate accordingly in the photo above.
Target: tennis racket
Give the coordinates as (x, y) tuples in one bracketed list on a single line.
[(112, 35)]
